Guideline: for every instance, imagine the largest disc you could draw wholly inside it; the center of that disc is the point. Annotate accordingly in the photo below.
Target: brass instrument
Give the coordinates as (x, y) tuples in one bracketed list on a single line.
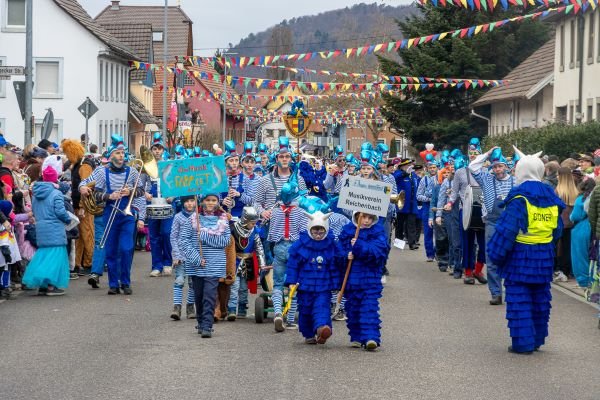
[(89, 203), (150, 166), (398, 199)]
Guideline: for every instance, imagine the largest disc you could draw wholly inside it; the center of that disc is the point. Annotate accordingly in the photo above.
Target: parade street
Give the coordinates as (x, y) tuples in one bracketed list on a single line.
[(441, 340)]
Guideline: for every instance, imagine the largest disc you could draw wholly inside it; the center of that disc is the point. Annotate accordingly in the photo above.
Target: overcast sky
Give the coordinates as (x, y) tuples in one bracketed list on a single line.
[(217, 23)]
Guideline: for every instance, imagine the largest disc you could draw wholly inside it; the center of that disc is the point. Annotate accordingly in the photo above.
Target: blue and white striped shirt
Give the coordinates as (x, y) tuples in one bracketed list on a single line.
[(266, 196), (298, 223), (443, 196), (117, 180), (425, 189), (337, 223), (491, 186)]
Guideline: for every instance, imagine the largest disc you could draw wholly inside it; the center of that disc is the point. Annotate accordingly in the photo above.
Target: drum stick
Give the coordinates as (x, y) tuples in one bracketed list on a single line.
[(341, 292)]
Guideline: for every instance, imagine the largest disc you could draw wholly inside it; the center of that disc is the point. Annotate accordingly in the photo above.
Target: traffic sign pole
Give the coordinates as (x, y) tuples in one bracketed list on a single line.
[(87, 119)]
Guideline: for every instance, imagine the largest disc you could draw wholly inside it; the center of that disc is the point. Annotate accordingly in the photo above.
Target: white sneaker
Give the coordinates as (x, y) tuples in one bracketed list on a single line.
[(383, 280), (560, 277), (167, 271), (155, 273)]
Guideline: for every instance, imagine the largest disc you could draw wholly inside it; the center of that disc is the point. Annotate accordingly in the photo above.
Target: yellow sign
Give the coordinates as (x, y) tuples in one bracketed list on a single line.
[(297, 126)]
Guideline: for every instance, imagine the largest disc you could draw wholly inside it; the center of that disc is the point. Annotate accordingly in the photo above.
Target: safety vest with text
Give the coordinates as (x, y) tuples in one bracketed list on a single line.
[(542, 221)]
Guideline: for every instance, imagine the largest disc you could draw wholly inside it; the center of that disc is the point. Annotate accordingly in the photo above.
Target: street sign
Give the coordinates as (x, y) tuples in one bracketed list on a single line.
[(4, 77), (365, 195), (8, 70), (87, 108)]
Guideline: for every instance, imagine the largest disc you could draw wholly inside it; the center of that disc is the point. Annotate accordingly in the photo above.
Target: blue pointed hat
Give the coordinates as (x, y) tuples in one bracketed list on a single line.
[(157, 140), (460, 162), (284, 144), (456, 154), (248, 149), (116, 143), (338, 151), (262, 148), (189, 153), (289, 192), (366, 146), (197, 152), (206, 153), (497, 158), (383, 149), (475, 145), (180, 153), (430, 160), (350, 157), (230, 150)]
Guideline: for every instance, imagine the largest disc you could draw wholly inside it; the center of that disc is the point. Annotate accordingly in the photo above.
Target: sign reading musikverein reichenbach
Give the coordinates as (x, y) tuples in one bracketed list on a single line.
[(365, 195), (193, 176)]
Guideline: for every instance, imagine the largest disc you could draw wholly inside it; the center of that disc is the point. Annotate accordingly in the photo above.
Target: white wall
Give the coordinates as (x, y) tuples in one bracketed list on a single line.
[(58, 35), (508, 116), (566, 79)]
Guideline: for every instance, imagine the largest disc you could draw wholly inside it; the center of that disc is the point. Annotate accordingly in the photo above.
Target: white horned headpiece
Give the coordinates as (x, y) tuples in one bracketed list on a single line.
[(318, 219), (529, 168)]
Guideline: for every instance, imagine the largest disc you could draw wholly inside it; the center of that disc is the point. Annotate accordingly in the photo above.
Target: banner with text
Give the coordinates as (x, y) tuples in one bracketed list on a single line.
[(365, 195), (193, 176)]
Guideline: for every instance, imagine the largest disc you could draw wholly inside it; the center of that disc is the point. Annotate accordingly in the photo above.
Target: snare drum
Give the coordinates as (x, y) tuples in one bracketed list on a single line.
[(159, 211)]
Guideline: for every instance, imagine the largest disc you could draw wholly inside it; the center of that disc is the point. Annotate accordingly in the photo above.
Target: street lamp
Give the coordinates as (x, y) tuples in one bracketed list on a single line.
[(225, 93)]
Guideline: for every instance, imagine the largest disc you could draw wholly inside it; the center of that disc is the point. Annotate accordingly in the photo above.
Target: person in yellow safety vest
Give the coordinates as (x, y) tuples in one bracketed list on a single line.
[(523, 248)]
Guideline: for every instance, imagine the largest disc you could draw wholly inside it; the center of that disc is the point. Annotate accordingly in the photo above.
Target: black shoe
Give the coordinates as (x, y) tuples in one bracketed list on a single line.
[(127, 290), (176, 314), (413, 247), (469, 280), (206, 334), (385, 271), (79, 271), (480, 278), (94, 281), (87, 271), (457, 274), (496, 301), (525, 353), (443, 269), (112, 291)]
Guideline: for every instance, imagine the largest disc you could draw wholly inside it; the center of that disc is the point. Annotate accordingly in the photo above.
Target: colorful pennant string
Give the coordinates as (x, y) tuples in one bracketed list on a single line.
[(491, 5)]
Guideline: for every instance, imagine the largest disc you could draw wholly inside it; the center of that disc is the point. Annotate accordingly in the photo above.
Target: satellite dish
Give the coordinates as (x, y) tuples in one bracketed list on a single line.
[(48, 124)]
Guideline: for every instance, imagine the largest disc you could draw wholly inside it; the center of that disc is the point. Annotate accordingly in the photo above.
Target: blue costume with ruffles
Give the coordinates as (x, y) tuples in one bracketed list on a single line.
[(313, 265), (526, 260), (364, 287)]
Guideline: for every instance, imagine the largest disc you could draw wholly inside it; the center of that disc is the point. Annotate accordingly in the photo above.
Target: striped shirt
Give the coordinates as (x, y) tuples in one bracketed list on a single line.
[(298, 223), (214, 235), (443, 196), (460, 183), (491, 186), (389, 178), (334, 183), (337, 223), (266, 196), (117, 180), (425, 189)]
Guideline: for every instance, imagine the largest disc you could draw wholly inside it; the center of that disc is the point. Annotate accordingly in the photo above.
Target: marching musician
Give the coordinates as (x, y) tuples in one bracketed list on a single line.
[(448, 216), (159, 229), (407, 181), (335, 177), (424, 195), (115, 184), (242, 182), (495, 186), (463, 178)]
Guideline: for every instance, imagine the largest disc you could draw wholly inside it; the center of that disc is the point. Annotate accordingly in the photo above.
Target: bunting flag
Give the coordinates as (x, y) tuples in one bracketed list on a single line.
[(402, 83), (387, 47), (490, 5)]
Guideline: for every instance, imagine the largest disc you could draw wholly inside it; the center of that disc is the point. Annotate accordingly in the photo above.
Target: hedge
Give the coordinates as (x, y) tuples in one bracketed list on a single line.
[(556, 139)]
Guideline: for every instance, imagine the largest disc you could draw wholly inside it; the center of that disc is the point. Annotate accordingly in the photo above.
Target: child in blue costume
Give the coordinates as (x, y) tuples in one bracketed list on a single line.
[(364, 288), (312, 264), (523, 248)]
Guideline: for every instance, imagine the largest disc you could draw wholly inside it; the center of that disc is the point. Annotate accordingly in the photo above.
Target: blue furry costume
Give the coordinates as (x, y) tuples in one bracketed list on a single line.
[(526, 260), (314, 180), (313, 264), (364, 287)]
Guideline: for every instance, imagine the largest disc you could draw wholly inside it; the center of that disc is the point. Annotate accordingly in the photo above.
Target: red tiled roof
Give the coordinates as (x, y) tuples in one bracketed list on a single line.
[(139, 38)]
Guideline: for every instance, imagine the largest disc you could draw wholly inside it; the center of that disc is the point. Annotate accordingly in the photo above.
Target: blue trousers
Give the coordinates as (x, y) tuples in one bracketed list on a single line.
[(452, 221), (493, 277), (160, 242), (238, 296), (427, 232), (313, 312), (528, 313), (99, 256), (468, 247), (362, 310), (205, 290), (119, 249)]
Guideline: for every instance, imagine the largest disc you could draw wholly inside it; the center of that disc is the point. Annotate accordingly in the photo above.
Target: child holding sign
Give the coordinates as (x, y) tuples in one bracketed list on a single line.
[(364, 242)]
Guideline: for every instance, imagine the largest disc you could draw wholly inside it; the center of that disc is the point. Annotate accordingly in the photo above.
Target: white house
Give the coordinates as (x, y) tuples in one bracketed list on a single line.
[(577, 67), (526, 101), (73, 58)]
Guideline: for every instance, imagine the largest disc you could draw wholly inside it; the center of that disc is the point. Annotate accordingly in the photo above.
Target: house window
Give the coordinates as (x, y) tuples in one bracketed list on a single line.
[(56, 134), (572, 45), (188, 81), (14, 16), (592, 36), (380, 141), (101, 80), (580, 40), (2, 83), (100, 133), (112, 82), (597, 109), (106, 78), (562, 48), (561, 114), (590, 111), (571, 112), (123, 84), (157, 36), (48, 78)]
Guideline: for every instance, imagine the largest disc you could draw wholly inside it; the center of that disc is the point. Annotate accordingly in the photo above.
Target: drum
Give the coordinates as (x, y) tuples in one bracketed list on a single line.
[(266, 280), (159, 209), (472, 209)]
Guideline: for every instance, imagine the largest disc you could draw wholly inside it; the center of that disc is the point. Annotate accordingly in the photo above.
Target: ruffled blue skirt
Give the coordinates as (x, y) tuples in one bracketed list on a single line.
[(49, 266)]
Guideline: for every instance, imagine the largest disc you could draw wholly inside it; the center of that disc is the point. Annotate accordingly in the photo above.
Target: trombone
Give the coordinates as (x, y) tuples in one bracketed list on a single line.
[(115, 207)]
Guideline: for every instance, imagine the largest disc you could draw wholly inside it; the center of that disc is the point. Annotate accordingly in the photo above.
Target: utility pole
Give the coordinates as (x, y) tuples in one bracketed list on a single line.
[(166, 65), (28, 70)]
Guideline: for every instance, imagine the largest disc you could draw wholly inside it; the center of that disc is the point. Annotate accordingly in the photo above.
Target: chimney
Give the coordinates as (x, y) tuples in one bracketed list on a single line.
[(114, 5)]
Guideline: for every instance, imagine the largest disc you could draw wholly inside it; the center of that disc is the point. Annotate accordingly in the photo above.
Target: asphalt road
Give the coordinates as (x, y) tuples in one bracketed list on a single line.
[(440, 341)]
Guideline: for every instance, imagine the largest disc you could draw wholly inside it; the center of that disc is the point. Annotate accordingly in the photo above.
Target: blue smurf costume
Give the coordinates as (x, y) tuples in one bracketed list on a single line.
[(523, 248), (313, 265), (364, 287)]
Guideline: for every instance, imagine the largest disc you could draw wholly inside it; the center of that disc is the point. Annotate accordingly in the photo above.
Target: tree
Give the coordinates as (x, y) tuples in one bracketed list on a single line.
[(280, 42), (442, 115)]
